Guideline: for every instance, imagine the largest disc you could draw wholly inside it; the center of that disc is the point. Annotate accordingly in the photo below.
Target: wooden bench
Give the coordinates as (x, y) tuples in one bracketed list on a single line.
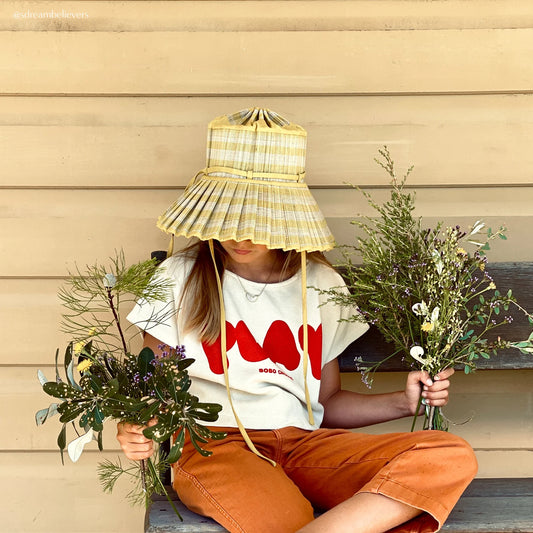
[(488, 505)]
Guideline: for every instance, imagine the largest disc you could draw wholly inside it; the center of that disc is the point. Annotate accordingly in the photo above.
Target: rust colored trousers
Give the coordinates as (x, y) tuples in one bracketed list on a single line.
[(319, 469)]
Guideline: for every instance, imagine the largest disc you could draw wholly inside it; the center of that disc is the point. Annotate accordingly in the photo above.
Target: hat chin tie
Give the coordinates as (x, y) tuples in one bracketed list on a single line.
[(223, 348), (224, 352), (305, 337)]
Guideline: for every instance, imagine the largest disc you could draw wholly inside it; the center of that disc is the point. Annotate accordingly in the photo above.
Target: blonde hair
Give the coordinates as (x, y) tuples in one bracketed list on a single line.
[(200, 304)]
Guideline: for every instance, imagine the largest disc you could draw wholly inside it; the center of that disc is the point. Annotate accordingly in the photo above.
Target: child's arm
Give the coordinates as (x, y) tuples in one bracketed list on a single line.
[(347, 409)]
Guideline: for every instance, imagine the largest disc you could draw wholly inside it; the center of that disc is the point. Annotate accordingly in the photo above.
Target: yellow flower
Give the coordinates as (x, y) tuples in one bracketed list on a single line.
[(462, 251), (78, 347), (482, 267), (84, 365), (492, 285), (427, 326)]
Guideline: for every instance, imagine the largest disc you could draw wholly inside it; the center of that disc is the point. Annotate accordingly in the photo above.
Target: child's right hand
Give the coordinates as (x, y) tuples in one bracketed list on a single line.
[(132, 441)]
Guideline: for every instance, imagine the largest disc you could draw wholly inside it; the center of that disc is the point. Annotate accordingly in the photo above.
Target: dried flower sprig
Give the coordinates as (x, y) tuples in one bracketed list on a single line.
[(428, 296)]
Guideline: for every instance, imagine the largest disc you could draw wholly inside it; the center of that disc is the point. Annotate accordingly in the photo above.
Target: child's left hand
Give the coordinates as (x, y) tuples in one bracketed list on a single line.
[(434, 392)]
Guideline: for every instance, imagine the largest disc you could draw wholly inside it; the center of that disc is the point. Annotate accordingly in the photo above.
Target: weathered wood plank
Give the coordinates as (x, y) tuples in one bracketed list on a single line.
[(262, 15), (518, 277), (494, 505), (487, 506), (160, 142), (432, 61)]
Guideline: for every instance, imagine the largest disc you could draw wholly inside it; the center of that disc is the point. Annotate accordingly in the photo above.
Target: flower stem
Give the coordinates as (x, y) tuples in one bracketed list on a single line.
[(117, 321), (157, 480)]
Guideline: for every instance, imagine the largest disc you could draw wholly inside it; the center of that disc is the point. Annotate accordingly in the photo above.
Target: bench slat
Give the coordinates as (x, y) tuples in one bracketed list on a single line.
[(487, 506)]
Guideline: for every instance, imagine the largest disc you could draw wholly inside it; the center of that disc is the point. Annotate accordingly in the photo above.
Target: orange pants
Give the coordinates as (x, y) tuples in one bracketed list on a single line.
[(319, 469)]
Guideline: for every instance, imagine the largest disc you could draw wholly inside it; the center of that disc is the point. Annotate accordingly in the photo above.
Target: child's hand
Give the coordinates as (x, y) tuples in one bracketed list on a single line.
[(434, 392), (132, 441)]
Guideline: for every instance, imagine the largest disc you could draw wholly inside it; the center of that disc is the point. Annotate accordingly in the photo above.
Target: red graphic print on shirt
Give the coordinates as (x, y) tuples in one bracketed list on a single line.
[(279, 347)]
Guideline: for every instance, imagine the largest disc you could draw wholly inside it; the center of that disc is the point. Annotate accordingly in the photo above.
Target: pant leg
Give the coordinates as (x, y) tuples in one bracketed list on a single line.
[(428, 470), (239, 490)]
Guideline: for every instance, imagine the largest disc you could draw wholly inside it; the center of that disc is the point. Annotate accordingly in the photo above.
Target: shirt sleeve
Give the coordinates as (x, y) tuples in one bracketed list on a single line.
[(159, 317), (337, 331)]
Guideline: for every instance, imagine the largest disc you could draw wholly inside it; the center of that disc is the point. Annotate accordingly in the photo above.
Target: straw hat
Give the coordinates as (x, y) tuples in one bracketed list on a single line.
[(252, 187)]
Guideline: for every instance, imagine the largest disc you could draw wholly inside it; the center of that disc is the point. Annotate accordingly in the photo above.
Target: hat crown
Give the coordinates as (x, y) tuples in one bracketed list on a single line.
[(255, 140)]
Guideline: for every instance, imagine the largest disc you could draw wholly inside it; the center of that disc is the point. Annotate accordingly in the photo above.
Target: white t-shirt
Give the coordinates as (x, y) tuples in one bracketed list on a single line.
[(265, 362)]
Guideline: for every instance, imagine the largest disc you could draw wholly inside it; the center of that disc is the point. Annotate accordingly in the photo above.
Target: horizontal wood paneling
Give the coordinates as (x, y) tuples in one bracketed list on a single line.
[(263, 15), (20, 386), (493, 410), (30, 309), (432, 61), (43, 496), (155, 142), (44, 231)]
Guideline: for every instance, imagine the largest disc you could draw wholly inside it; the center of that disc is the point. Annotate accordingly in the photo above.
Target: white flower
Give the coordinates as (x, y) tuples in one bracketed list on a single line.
[(435, 315), (438, 261), (417, 352), (420, 309), (76, 446), (109, 281), (478, 226)]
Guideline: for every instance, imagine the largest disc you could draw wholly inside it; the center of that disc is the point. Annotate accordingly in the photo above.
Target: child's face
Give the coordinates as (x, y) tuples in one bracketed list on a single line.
[(248, 253)]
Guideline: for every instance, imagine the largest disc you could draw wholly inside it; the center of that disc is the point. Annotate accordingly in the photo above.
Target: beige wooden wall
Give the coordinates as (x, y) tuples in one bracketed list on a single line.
[(103, 109)]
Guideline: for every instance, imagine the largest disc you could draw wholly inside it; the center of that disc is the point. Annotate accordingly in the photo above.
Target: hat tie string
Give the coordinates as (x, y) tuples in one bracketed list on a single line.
[(223, 349), (305, 339)]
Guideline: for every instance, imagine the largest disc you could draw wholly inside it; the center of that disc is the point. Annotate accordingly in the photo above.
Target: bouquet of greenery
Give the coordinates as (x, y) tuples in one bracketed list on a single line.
[(427, 295), (104, 380)]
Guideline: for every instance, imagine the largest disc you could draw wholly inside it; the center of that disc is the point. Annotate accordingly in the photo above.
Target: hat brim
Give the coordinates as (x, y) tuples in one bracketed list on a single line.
[(276, 216)]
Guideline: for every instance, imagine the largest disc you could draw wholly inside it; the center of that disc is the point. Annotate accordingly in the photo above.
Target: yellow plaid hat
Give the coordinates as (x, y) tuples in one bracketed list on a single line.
[(252, 187)]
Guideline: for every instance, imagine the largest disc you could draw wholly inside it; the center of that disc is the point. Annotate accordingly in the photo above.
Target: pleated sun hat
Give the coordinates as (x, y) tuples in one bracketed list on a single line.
[(252, 187)]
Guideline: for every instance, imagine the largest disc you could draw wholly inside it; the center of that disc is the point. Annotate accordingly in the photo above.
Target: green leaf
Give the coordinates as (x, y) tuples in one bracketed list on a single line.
[(62, 441), (58, 377), (60, 390), (177, 448), (467, 369), (144, 361), (99, 440), (485, 355), (68, 356), (70, 412)]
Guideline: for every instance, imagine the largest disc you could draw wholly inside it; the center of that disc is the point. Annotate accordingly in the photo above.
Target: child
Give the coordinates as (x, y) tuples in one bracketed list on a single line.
[(266, 348)]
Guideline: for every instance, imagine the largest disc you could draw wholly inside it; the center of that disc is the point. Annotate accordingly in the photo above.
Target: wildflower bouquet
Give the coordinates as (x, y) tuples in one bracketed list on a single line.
[(104, 380), (428, 296)]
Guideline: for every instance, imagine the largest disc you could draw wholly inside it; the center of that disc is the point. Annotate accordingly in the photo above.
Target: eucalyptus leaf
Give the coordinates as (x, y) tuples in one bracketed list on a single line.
[(70, 375), (43, 415), (41, 377)]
